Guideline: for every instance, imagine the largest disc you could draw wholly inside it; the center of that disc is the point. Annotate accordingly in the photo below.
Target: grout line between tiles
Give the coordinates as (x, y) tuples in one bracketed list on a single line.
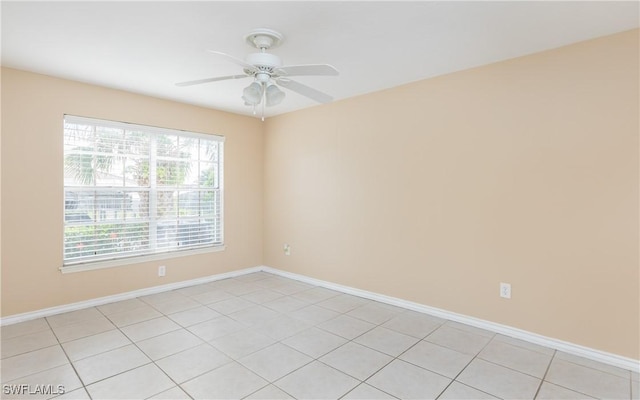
[(455, 379), (544, 377), (75, 371), (151, 360)]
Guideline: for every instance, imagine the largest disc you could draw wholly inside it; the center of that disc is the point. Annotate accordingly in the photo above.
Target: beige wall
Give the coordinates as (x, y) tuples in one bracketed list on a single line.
[(32, 190), (524, 171)]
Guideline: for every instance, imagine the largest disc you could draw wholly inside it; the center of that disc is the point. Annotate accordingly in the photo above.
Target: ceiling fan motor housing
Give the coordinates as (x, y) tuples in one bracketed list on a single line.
[(264, 60)]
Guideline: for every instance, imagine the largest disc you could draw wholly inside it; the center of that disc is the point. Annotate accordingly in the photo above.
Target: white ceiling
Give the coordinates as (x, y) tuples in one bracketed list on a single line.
[(146, 47)]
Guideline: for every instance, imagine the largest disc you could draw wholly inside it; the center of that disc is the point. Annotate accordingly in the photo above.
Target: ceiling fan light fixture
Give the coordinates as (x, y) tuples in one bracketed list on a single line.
[(252, 94), (274, 95)]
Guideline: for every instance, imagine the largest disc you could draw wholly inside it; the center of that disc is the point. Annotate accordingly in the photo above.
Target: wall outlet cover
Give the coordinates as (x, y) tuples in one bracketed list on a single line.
[(505, 290)]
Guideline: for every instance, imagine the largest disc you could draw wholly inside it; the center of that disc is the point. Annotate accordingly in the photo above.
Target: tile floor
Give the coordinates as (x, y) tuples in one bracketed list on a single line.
[(261, 336)]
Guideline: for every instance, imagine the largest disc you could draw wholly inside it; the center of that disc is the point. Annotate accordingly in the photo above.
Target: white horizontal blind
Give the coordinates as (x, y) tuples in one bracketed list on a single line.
[(137, 190)]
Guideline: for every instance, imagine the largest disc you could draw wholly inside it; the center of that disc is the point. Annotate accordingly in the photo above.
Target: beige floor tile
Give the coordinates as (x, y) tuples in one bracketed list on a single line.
[(231, 305), (253, 277), (262, 296), (499, 381), (134, 316), (216, 328), (224, 284), (469, 328), (518, 358), (549, 391), (110, 363), (270, 392), (150, 328), (281, 327), (192, 362), (239, 344), (194, 316), (96, 344), (610, 369), (587, 380), (275, 361), (376, 313), (406, 381), (439, 359), (193, 290), (231, 381), (211, 296), (74, 317), (347, 327), (120, 306), (387, 341), (243, 288), (317, 381), (315, 295), (169, 343), (23, 328), (414, 324), (458, 340), (343, 303), (356, 360), (314, 315), (458, 391), (78, 394), (254, 315), (291, 287), (175, 393), (285, 304), (272, 282), (367, 392), (162, 297), (26, 343), (139, 383), (67, 333), (315, 342), (174, 306), (524, 344), (46, 384), (33, 362)]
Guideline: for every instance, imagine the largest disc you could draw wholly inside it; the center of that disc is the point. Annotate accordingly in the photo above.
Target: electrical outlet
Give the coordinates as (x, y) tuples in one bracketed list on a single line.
[(162, 270), (287, 250), (505, 290)]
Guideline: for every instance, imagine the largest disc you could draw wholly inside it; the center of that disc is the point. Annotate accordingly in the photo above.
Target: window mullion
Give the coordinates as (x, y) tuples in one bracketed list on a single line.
[(153, 194)]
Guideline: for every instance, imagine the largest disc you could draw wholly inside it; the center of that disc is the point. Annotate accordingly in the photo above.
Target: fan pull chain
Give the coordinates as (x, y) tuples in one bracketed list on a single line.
[(264, 99)]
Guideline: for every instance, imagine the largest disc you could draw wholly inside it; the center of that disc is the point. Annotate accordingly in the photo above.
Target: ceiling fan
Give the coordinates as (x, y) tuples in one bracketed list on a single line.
[(268, 73)]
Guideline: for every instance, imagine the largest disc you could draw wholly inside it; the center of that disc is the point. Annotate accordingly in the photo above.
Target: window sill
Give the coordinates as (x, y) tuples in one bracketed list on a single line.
[(137, 260)]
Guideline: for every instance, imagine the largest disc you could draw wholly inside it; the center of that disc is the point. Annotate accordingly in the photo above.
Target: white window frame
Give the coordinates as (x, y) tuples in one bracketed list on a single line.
[(153, 253)]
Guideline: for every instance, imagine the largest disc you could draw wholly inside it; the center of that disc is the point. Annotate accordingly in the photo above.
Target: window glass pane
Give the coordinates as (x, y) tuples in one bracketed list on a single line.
[(131, 191), (104, 240)]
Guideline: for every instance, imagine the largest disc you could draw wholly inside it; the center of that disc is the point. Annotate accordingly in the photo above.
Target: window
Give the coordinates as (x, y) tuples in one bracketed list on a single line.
[(132, 190)]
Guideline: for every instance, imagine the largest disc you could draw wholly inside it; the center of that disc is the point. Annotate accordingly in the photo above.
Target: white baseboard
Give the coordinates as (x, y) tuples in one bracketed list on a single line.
[(47, 312), (571, 348)]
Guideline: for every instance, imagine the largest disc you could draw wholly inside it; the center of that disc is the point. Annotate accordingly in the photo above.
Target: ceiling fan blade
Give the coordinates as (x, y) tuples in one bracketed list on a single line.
[(305, 90), (306, 70), (207, 80), (234, 60)]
